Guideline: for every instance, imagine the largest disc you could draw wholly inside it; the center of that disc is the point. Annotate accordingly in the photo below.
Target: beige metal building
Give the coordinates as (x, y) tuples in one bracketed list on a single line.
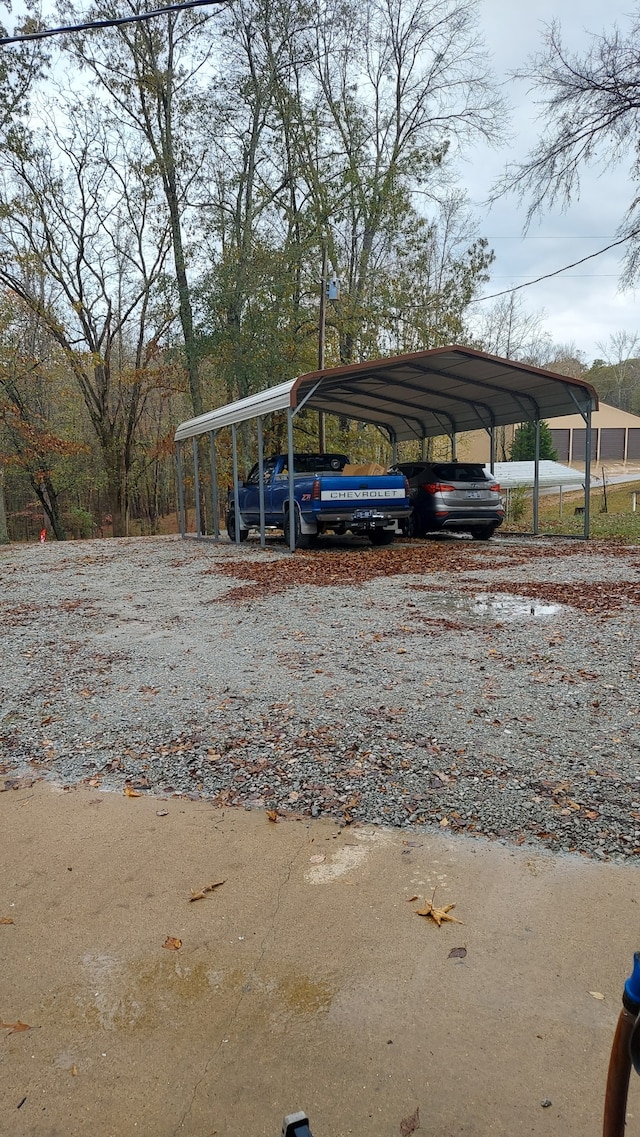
[(615, 439)]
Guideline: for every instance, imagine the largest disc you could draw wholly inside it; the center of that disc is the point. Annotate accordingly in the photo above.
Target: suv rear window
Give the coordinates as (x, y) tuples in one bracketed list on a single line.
[(459, 472)]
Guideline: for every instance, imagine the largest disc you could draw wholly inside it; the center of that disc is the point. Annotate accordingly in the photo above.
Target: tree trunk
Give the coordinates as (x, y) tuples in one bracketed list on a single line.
[(48, 499), (116, 491), (4, 534)]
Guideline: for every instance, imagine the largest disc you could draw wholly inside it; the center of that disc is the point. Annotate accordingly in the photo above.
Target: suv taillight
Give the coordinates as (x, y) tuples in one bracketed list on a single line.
[(315, 490), (438, 487), (495, 488)]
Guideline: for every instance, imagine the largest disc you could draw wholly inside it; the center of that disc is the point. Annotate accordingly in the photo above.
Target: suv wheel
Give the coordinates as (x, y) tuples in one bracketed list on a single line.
[(483, 533)]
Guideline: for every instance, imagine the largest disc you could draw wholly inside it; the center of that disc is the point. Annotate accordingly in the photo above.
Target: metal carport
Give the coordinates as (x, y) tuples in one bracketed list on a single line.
[(443, 391)]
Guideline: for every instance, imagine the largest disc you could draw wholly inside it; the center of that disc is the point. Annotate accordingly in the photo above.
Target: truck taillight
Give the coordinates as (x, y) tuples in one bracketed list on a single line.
[(315, 490), (438, 487)]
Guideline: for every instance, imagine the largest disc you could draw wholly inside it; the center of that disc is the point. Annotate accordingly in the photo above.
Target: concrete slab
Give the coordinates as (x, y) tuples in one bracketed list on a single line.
[(306, 981)]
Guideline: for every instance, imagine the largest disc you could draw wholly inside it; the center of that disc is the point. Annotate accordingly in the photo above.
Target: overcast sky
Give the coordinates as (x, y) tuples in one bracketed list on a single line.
[(583, 305)]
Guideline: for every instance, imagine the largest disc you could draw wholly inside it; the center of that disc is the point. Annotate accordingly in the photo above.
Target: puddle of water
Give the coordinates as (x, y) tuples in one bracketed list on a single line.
[(306, 996), (114, 995), (500, 606)]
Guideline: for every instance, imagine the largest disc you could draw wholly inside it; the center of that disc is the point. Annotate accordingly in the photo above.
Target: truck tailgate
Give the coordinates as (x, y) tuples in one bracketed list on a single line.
[(354, 489)]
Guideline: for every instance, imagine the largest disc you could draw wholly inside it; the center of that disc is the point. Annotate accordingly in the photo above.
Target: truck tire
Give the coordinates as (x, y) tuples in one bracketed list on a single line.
[(231, 527), (301, 540), (382, 536)]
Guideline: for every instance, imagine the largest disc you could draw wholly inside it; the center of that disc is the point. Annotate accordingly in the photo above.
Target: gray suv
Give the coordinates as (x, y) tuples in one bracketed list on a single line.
[(451, 495)]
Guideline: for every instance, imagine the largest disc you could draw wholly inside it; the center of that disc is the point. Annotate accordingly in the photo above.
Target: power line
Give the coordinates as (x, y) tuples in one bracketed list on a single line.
[(111, 23), (565, 268)]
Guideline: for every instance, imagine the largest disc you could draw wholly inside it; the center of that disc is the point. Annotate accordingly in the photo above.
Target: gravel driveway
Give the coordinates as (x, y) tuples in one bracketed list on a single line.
[(490, 689)]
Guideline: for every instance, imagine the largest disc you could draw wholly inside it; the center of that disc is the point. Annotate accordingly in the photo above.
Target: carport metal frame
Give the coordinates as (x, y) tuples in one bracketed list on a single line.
[(444, 391)]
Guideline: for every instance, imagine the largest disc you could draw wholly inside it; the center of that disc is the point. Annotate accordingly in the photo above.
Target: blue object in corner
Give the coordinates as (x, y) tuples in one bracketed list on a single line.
[(632, 986)]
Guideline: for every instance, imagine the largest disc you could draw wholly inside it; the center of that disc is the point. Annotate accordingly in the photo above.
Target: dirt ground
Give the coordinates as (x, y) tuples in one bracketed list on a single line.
[(305, 981)]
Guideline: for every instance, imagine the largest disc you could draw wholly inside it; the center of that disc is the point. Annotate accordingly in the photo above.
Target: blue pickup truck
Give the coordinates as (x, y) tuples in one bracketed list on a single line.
[(329, 495)]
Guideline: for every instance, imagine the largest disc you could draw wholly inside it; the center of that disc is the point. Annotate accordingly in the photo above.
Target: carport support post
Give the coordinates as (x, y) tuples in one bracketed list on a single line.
[(180, 490), (454, 447), (536, 478), (236, 495), (261, 482), (587, 473), (292, 500), (196, 484), (214, 485), (492, 448)]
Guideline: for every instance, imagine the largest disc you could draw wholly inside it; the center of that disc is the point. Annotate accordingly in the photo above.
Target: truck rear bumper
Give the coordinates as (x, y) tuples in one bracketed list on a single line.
[(361, 519)]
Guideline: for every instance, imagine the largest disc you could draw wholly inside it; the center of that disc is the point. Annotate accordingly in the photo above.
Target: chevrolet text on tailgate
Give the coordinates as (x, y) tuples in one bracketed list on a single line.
[(331, 495)]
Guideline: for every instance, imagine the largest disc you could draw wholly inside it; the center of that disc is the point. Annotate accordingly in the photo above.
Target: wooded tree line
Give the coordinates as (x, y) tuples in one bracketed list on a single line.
[(168, 190)]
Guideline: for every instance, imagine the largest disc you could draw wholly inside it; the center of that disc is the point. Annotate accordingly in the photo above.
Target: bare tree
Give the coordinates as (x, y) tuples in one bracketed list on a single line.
[(21, 65), (149, 72), (333, 130), (590, 107), (509, 330), (80, 214), (397, 82)]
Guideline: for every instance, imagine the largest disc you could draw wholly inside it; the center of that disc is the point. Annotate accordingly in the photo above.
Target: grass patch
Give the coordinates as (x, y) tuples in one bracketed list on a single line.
[(619, 522)]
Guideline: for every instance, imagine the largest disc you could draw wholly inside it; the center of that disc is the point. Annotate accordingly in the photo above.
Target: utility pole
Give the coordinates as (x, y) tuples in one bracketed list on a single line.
[(322, 441)]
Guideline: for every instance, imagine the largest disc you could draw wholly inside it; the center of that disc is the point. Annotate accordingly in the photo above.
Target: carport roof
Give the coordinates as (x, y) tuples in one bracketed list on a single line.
[(446, 390)]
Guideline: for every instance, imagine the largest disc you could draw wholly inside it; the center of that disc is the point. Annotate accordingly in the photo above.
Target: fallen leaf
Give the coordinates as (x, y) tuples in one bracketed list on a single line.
[(7, 920), (17, 1027), (201, 894), (410, 899), (272, 815), (162, 812), (74, 1071), (438, 915), (129, 792), (409, 1124), (596, 995), (457, 953), (172, 944)]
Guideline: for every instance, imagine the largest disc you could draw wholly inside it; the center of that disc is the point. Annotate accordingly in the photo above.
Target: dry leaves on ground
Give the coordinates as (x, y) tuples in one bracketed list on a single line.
[(130, 792), (15, 1027), (172, 944), (7, 920), (409, 1124), (438, 915)]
